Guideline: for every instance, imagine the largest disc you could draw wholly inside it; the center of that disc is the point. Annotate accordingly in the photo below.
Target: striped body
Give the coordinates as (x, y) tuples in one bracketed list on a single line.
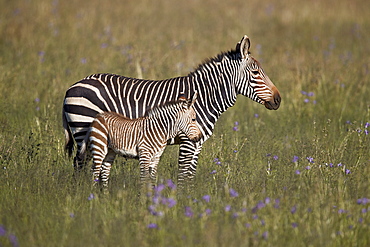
[(144, 138), (218, 81)]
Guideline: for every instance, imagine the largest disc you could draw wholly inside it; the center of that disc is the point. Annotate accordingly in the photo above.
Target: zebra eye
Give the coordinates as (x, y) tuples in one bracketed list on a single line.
[(255, 72), (193, 119)]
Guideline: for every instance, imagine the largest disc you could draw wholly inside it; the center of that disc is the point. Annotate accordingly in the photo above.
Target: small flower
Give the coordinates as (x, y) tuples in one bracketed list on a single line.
[(340, 164), (158, 189), (37, 100), (83, 60), (233, 193), (171, 184), (206, 198), (294, 225), (170, 202), (297, 172), (247, 225), (236, 123), (293, 209), (306, 100), (188, 212), (310, 159), (303, 92), (265, 235), (227, 208), (367, 125), (72, 215), (310, 94), (235, 128), (276, 157), (91, 196), (348, 171), (2, 230), (308, 167), (295, 159), (256, 115), (152, 226), (213, 172), (341, 211), (208, 211), (267, 200)]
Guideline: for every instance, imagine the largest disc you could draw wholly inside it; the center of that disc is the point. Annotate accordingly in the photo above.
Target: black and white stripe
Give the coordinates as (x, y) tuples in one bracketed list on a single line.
[(218, 81)]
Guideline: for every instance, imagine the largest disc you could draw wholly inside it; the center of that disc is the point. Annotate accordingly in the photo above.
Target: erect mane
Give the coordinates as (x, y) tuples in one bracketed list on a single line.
[(231, 55), (152, 112)]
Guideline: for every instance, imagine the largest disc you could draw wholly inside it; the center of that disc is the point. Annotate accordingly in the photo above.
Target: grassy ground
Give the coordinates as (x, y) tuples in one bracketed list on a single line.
[(298, 176)]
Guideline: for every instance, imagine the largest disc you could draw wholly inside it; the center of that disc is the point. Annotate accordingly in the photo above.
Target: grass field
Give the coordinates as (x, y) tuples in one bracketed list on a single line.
[(298, 176)]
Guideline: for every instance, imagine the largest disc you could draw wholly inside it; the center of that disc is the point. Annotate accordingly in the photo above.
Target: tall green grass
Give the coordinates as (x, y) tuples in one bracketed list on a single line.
[(293, 177)]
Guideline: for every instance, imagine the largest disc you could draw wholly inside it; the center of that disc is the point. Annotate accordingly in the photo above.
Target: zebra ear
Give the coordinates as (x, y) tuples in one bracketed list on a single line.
[(193, 99), (244, 46)]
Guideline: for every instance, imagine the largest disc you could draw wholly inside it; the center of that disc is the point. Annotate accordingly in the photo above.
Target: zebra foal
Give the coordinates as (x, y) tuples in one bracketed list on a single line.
[(144, 137)]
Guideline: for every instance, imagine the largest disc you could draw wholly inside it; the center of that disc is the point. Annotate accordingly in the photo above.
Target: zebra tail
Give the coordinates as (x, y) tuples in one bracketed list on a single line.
[(69, 144)]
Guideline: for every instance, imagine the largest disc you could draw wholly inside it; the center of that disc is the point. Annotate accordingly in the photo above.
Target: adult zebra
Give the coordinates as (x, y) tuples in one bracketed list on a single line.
[(218, 81)]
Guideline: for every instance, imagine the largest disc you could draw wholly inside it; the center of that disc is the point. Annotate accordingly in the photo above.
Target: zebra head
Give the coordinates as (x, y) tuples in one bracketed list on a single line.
[(259, 87), (187, 119)]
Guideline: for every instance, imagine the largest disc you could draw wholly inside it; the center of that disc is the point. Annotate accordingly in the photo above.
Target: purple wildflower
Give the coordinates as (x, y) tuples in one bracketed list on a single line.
[(363, 201), (37, 100), (83, 60), (233, 193), (152, 226), (310, 94), (348, 171), (295, 159), (207, 198), (227, 208), (2, 230), (267, 200), (171, 184), (341, 211), (91, 196), (297, 172), (72, 215), (294, 225), (340, 164), (256, 115), (213, 172), (306, 100), (303, 92), (208, 211), (310, 159), (367, 125), (247, 225), (293, 209), (265, 235), (235, 128), (236, 123), (188, 212), (364, 210), (276, 157), (13, 239), (158, 189), (170, 202), (366, 132), (308, 167)]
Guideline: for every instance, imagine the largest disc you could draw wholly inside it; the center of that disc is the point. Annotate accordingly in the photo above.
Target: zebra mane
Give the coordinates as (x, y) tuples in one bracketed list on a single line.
[(232, 55), (153, 112)]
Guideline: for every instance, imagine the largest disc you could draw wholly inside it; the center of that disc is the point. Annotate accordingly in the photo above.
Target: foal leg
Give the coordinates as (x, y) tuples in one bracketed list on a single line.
[(105, 169)]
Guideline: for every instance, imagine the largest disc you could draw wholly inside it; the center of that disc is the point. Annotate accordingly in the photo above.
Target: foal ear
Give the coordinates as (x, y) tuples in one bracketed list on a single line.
[(183, 100), (244, 46)]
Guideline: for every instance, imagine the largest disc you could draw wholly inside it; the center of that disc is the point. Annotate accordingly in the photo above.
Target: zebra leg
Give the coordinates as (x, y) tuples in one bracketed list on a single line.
[(105, 169), (188, 160)]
